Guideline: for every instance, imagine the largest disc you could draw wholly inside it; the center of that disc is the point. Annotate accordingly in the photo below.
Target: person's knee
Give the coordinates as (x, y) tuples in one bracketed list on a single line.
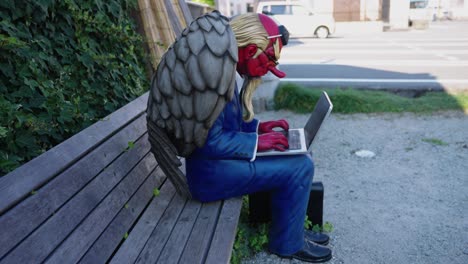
[(307, 165), (304, 170)]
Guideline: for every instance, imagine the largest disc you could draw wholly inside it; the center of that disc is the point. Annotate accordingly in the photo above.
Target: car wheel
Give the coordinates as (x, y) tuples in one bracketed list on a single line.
[(322, 32)]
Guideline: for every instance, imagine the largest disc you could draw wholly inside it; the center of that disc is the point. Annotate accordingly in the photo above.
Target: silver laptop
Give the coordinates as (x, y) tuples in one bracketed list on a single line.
[(300, 139)]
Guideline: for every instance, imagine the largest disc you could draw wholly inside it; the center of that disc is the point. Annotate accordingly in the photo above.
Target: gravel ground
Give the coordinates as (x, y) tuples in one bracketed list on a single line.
[(408, 203)]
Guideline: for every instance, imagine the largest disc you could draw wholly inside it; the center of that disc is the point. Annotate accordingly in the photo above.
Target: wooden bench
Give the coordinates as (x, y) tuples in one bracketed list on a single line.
[(100, 197)]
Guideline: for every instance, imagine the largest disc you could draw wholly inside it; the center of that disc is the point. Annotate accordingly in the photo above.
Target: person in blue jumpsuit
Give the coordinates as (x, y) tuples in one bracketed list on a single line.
[(227, 166)]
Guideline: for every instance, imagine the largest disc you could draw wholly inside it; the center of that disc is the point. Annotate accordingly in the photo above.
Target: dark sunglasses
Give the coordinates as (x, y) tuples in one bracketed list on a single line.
[(273, 59)]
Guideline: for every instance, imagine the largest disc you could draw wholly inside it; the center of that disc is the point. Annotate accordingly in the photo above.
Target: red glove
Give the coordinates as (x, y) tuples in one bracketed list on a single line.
[(273, 140), (267, 127)]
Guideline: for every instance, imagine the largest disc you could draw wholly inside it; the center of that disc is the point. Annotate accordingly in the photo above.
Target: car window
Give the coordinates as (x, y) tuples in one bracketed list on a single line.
[(265, 9), (278, 9), (299, 10), (418, 4)]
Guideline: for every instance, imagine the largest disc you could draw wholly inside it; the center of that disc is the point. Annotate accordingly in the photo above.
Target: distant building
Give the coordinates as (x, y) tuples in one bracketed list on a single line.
[(448, 9), (393, 13), (235, 7)]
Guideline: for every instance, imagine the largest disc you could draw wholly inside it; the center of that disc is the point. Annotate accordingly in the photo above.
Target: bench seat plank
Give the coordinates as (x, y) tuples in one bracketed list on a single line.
[(225, 232), (76, 245), (102, 250), (133, 245), (160, 235), (37, 208), (197, 246), (176, 242), (43, 240), (19, 183)]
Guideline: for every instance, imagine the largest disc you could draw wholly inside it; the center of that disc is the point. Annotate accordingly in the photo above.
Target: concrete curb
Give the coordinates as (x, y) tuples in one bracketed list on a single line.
[(264, 95)]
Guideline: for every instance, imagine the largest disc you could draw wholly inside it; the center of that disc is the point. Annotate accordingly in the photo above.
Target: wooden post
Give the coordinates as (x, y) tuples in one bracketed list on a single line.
[(162, 21)]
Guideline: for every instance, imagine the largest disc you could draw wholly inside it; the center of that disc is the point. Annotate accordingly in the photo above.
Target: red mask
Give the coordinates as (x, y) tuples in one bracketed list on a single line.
[(265, 61)]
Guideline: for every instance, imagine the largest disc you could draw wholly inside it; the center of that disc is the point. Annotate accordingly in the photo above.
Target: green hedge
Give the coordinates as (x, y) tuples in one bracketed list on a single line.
[(64, 64), (302, 99), (208, 2)]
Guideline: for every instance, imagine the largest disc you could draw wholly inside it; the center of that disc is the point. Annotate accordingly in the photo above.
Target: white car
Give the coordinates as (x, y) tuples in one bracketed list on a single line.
[(299, 20)]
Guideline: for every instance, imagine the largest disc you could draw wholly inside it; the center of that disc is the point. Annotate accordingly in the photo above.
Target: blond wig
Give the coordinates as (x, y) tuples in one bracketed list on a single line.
[(249, 30)]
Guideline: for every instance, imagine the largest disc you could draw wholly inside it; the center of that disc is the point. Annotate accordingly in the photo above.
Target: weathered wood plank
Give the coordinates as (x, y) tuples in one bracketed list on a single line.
[(36, 247), (196, 249), (161, 233), (139, 235), (19, 183), (78, 242), (37, 208), (223, 239), (176, 26), (185, 11), (104, 247), (175, 245)]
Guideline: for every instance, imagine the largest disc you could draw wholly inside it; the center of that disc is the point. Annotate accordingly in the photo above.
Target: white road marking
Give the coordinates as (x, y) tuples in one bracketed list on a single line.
[(380, 40), (369, 51), (453, 81), (415, 55), (367, 44), (401, 63)]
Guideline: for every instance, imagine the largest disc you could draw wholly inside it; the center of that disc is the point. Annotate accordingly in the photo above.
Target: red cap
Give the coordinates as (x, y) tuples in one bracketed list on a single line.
[(272, 30)]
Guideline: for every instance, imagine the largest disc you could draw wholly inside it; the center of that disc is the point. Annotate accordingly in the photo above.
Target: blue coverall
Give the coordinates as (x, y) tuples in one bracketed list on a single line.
[(226, 167)]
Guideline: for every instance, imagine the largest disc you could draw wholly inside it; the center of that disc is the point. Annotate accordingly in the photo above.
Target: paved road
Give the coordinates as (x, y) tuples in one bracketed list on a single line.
[(435, 58)]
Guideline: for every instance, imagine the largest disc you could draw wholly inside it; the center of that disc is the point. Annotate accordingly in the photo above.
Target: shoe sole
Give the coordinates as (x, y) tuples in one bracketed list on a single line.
[(327, 258), (323, 244), (324, 259), (320, 243)]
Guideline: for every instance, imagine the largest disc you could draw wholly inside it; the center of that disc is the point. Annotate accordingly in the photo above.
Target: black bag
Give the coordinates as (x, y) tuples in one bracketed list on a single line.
[(260, 207)]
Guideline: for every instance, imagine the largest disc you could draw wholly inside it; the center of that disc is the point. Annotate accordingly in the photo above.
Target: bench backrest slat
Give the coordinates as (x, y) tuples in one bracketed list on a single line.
[(30, 176), (103, 248)]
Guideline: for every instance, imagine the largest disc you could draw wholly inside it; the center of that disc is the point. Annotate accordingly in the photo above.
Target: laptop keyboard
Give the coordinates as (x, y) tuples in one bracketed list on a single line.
[(294, 139)]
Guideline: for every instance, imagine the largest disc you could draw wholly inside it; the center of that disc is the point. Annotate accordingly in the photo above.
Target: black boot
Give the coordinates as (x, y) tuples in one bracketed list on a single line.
[(317, 237), (311, 252)]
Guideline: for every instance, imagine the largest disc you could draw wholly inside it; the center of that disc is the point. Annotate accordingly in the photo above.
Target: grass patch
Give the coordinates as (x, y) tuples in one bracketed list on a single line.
[(250, 238), (302, 100), (435, 141)]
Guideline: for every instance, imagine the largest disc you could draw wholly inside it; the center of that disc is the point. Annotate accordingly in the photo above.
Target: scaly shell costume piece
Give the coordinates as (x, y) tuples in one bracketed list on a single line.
[(193, 82)]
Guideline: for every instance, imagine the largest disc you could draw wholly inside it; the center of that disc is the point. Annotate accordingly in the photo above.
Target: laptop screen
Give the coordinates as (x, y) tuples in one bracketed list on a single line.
[(321, 111)]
